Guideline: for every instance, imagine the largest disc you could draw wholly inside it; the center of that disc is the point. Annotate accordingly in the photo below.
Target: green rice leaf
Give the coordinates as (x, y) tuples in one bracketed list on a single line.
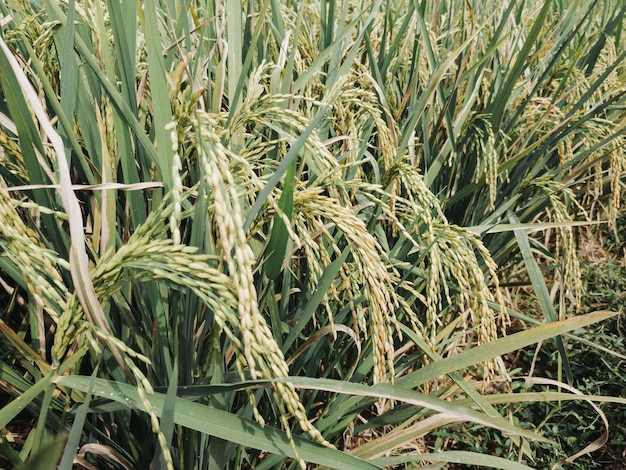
[(280, 236), (404, 395), (73, 439), (499, 347), (10, 411), (455, 456), (541, 290), (162, 112), (47, 456), (221, 424)]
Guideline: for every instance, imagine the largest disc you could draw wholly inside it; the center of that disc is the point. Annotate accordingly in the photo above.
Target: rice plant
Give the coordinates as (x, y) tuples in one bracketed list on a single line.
[(278, 234)]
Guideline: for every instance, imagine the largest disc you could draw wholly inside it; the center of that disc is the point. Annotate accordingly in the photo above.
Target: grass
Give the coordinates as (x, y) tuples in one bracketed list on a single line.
[(286, 234)]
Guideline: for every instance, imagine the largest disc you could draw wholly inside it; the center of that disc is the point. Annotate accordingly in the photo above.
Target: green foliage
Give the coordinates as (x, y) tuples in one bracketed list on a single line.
[(269, 233)]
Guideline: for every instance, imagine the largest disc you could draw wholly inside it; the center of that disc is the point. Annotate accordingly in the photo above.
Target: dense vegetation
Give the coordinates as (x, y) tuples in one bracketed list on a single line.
[(280, 233)]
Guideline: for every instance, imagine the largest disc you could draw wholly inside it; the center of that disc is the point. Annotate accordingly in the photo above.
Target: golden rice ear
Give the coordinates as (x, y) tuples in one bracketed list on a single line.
[(566, 249), (40, 267), (79, 261), (258, 350), (451, 258), (370, 276)]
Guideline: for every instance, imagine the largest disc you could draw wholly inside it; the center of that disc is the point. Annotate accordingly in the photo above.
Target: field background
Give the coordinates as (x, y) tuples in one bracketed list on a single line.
[(316, 234)]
